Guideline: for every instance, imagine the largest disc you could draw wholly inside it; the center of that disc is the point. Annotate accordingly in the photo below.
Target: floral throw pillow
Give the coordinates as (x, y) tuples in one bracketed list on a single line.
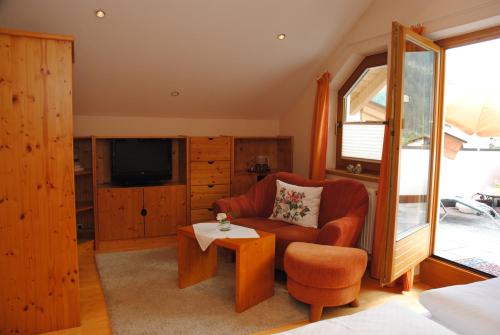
[(297, 204)]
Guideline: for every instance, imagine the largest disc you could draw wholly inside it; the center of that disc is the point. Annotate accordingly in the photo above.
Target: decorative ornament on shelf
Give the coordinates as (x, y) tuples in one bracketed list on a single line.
[(356, 169), (224, 220)]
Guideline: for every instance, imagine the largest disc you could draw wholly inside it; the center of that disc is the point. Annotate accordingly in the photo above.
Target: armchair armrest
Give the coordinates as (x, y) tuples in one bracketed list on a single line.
[(241, 206), (342, 232)]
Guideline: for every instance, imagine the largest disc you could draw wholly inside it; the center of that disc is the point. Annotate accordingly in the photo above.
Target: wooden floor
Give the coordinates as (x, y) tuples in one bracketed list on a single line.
[(95, 319)]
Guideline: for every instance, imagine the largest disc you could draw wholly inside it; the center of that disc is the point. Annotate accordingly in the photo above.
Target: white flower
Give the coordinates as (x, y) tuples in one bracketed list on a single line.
[(221, 217)]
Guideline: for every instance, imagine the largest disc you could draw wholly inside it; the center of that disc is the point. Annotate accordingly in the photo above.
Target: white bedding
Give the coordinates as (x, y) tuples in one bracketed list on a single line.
[(391, 318), (466, 309)]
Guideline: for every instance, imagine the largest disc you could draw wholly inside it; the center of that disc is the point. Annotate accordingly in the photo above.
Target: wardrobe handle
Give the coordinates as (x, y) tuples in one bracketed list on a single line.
[(210, 185), (144, 212), (211, 162)]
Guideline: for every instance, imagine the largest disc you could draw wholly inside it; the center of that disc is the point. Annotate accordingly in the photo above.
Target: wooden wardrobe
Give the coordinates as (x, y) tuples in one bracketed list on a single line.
[(39, 286)]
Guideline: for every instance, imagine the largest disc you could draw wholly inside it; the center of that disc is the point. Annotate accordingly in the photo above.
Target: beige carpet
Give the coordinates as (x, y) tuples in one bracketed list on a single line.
[(141, 293)]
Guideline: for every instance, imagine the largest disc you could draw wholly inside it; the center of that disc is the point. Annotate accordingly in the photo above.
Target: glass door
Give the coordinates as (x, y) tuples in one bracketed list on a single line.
[(413, 119)]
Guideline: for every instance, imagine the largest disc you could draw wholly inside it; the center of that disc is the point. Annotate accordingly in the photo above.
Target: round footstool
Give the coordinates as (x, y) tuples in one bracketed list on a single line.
[(323, 275)]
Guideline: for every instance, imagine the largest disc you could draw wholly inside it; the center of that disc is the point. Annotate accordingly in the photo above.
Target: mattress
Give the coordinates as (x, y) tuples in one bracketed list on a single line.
[(391, 318), (466, 309)]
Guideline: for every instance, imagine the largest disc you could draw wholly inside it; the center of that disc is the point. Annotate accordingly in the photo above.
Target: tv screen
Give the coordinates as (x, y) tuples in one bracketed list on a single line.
[(141, 161)]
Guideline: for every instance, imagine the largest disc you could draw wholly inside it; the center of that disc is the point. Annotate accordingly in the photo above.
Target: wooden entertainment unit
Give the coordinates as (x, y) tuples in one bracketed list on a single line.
[(204, 169)]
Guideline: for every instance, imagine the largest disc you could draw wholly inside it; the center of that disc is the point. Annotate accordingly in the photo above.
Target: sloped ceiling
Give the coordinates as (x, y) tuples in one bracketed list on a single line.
[(222, 55)]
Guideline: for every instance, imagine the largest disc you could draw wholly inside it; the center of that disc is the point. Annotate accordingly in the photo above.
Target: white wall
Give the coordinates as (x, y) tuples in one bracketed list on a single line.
[(371, 34), (111, 125)]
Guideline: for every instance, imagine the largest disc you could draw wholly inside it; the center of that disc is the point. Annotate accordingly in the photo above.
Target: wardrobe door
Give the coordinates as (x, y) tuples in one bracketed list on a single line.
[(39, 281)]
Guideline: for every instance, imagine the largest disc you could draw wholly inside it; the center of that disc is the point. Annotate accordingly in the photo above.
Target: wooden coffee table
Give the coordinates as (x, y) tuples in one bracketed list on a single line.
[(254, 264)]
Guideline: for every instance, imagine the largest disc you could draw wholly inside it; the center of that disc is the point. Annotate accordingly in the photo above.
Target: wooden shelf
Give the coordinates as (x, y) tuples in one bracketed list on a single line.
[(83, 173), (82, 206)]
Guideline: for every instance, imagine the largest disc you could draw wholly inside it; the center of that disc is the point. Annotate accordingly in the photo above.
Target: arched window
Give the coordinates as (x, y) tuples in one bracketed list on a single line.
[(361, 115)]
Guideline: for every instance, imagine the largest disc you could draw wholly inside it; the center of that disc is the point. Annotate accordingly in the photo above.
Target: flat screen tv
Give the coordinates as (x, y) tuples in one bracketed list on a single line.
[(141, 161)]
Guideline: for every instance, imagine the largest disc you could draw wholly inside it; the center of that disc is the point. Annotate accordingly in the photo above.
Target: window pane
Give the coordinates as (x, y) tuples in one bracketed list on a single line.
[(362, 141), (416, 136), (366, 100)]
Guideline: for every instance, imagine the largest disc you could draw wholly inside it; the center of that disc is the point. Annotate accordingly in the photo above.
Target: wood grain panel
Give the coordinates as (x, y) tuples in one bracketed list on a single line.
[(39, 282), (203, 197), (210, 148), (210, 173), (120, 213), (202, 215), (410, 251), (166, 209)]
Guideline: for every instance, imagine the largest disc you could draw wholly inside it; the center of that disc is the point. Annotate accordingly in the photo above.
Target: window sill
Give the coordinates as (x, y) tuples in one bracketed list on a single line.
[(362, 176)]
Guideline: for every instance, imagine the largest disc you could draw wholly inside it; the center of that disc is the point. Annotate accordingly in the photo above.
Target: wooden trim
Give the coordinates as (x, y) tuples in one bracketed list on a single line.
[(470, 38), (136, 244), (362, 176), (110, 137), (341, 163), (23, 33), (279, 137), (438, 273)]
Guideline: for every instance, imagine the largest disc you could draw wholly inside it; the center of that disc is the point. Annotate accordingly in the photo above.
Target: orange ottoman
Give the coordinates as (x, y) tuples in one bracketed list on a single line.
[(323, 275)]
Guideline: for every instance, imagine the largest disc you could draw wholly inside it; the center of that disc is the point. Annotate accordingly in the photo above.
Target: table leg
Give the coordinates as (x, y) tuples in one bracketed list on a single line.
[(254, 273), (194, 265)]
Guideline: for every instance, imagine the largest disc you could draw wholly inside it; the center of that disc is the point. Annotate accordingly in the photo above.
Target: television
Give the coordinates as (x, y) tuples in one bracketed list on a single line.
[(141, 161)]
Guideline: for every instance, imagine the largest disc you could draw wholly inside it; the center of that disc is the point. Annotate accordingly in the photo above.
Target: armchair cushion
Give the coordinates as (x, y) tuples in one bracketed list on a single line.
[(342, 232)]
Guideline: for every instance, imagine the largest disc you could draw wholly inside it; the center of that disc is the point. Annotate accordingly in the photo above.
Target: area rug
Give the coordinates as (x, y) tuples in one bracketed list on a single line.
[(481, 265), (142, 296)]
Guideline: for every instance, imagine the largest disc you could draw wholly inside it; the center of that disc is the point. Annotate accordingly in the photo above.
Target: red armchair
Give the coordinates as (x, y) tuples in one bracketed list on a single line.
[(343, 207)]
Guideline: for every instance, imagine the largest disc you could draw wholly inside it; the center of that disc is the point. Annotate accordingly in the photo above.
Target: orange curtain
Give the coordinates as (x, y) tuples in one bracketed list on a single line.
[(320, 128), (381, 211)]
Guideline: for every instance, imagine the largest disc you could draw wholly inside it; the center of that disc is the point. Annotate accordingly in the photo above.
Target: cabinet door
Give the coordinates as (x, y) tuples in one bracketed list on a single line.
[(119, 213), (166, 209)]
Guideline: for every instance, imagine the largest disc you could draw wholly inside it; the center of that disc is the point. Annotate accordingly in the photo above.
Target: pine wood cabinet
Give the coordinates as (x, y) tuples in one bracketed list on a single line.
[(210, 174), (120, 213), (166, 209), (39, 281), (136, 212)]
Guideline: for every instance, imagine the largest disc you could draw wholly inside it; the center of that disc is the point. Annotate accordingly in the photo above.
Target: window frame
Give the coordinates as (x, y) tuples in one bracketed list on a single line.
[(341, 163)]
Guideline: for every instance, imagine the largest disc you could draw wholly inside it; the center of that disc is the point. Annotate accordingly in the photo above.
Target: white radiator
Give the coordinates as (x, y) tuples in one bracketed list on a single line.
[(366, 239)]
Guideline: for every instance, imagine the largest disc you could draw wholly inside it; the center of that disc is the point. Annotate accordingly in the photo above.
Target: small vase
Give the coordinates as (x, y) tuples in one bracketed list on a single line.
[(225, 226)]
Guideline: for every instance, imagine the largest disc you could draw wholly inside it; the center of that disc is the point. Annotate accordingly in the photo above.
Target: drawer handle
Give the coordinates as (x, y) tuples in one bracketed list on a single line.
[(210, 138), (210, 209), (211, 162), (210, 185)]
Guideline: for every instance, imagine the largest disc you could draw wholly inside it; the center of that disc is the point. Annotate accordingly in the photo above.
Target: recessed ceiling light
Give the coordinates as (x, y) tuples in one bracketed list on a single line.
[(100, 13), (175, 93), (281, 37)]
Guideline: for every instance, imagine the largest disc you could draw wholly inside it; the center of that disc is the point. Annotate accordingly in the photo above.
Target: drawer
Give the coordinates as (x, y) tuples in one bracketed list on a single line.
[(210, 148), (202, 215), (205, 196), (210, 173)]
